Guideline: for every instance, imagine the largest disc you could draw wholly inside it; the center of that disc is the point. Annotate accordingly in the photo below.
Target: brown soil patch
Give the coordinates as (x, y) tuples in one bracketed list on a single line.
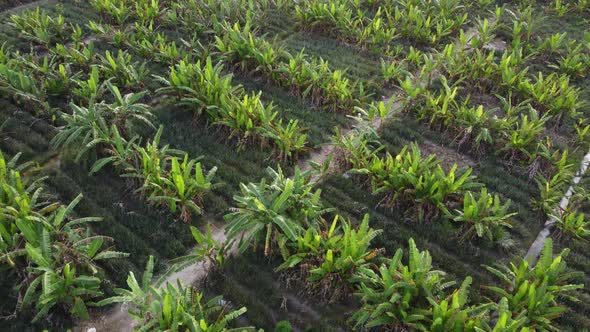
[(447, 157)]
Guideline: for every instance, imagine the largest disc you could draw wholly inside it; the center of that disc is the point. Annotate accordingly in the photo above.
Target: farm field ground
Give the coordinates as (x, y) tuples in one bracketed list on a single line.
[(323, 141)]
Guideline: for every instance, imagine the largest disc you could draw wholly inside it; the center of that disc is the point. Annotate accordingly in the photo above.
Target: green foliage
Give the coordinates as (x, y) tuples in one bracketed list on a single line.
[(240, 46), (124, 71), (54, 257), (173, 308), (79, 54), (90, 89), (572, 223), (533, 291), (483, 215), (88, 128), (21, 87), (552, 95), (552, 188), (272, 212), (118, 10), (207, 16), (200, 87), (207, 89), (397, 295), (37, 26), (180, 186), (330, 258), (283, 326), (165, 181), (425, 22), (415, 181), (454, 314), (313, 78), (209, 249)]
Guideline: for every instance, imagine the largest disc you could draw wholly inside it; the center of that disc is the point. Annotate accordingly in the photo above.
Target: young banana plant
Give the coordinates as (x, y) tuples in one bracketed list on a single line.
[(22, 87), (483, 215), (396, 295), (173, 307), (273, 212), (532, 291), (37, 26), (341, 252), (178, 186), (53, 254), (124, 71)]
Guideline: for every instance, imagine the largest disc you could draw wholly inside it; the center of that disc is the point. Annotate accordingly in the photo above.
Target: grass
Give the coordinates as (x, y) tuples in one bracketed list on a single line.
[(251, 281)]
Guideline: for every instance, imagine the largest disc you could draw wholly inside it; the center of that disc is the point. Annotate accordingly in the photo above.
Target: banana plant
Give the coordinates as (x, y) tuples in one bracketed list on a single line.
[(582, 139), (122, 69), (334, 18), (553, 186), (86, 129), (574, 63), (483, 215), (521, 140), (393, 72), (453, 313), (476, 126), (20, 198), (411, 179), (397, 295), (89, 128), (122, 154), (572, 223), (207, 89), (523, 21), (180, 189), (247, 117), (59, 256), (553, 95), (80, 55), (533, 291), (58, 81), (207, 15), (346, 250), (428, 22), (239, 45), (173, 307), (354, 151), (58, 287), (22, 87), (90, 89), (313, 78), (203, 88), (119, 11), (209, 250), (149, 11), (127, 109), (271, 212), (179, 186), (37, 26), (506, 322), (289, 140)]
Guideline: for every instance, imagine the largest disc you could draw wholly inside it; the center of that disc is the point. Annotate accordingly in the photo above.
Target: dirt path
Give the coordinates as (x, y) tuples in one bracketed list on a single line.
[(535, 250)]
